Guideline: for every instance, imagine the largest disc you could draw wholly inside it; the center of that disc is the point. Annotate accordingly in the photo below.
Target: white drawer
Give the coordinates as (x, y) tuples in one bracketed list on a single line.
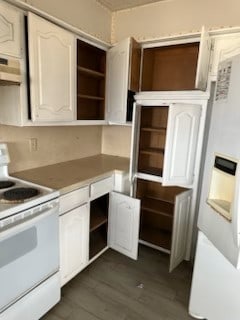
[(101, 187), (73, 199)]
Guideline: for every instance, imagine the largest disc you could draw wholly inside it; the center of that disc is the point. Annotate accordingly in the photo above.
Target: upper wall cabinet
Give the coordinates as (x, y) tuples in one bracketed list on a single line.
[(91, 69), (52, 60), (165, 143), (224, 47), (10, 34), (176, 67), (123, 72)]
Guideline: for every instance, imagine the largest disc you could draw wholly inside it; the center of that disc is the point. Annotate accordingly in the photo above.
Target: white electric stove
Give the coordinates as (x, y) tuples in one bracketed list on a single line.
[(29, 246)]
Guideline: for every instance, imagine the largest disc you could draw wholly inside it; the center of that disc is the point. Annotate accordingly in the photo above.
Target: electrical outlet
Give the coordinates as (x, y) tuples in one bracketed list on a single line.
[(33, 144)]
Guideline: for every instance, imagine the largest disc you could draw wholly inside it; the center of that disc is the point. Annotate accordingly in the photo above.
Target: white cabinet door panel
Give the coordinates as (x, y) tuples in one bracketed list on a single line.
[(74, 242), (123, 229), (181, 144), (52, 59), (225, 47), (203, 61), (117, 78), (180, 228), (10, 30)]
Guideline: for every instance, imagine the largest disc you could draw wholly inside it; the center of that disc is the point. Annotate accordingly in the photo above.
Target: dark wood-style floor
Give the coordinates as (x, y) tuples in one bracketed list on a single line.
[(117, 288)]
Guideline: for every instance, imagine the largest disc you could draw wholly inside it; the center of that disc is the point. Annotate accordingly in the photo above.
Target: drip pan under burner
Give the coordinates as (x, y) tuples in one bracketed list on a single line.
[(6, 184), (16, 195)]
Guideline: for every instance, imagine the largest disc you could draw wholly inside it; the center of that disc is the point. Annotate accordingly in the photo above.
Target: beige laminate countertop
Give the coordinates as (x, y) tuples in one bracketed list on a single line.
[(70, 175)]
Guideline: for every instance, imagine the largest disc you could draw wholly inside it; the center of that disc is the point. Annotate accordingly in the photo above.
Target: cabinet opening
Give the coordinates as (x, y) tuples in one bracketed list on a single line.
[(152, 139), (90, 109), (91, 70), (98, 225), (157, 212), (170, 67), (130, 102), (91, 57)]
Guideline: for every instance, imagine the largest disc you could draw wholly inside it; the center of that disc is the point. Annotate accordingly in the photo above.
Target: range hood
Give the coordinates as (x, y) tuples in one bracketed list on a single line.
[(9, 72)]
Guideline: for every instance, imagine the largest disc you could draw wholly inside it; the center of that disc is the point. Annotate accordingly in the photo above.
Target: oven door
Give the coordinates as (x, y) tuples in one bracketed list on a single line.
[(29, 252)]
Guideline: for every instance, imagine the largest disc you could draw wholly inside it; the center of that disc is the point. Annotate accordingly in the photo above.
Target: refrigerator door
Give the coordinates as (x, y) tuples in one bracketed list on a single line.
[(223, 139), (215, 285)]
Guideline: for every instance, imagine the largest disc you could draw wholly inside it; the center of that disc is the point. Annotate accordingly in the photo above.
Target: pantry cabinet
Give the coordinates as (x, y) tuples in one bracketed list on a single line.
[(52, 57), (10, 30), (165, 139), (177, 67), (164, 218)]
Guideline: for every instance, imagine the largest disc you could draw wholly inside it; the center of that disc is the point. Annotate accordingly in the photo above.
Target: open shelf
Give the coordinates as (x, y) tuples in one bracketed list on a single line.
[(98, 219), (154, 129), (158, 237), (152, 139), (157, 206), (151, 170), (98, 225), (91, 70), (97, 240), (84, 96), (157, 212), (152, 151), (170, 68)]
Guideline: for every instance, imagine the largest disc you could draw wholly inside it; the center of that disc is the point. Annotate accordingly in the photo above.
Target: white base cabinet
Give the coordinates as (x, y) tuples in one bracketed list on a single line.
[(74, 226)]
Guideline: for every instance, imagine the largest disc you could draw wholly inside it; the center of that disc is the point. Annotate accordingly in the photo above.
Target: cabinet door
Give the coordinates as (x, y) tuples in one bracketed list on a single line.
[(180, 228), (117, 78), (74, 242), (225, 47), (52, 62), (123, 228), (181, 144), (203, 61), (10, 30), (123, 73)]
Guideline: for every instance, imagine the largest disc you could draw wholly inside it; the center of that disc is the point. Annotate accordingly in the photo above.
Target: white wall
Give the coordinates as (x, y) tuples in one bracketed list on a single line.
[(87, 15), (116, 140), (54, 144), (174, 17)]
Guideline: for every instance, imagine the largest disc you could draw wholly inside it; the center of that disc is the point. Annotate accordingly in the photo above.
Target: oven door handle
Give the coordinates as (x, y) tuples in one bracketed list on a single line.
[(24, 223)]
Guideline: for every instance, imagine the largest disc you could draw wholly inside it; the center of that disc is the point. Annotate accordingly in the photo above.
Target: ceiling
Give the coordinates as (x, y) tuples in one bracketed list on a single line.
[(115, 5)]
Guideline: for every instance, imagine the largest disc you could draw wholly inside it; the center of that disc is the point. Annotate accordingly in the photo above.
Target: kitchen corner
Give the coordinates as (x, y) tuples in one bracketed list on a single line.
[(70, 175)]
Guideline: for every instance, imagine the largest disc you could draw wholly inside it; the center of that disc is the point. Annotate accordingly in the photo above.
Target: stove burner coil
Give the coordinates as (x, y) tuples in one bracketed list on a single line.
[(6, 184), (17, 194)]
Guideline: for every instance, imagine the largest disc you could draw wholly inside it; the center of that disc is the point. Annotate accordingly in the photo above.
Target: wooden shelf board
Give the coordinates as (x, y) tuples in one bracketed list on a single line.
[(160, 199), (85, 96), (152, 151), (156, 236), (154, 129), (97, 219), (158, 207), (152, 170), (90, 72)]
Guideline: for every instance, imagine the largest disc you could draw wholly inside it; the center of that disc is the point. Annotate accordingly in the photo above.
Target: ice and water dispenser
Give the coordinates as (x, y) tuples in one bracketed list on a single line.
[(222, 185)]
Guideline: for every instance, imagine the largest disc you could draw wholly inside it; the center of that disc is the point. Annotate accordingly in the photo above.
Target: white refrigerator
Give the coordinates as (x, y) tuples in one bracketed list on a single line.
[(215, 292)]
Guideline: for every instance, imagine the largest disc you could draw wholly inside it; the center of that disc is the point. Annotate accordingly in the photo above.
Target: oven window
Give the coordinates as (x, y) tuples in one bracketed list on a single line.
[(17, 246)]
